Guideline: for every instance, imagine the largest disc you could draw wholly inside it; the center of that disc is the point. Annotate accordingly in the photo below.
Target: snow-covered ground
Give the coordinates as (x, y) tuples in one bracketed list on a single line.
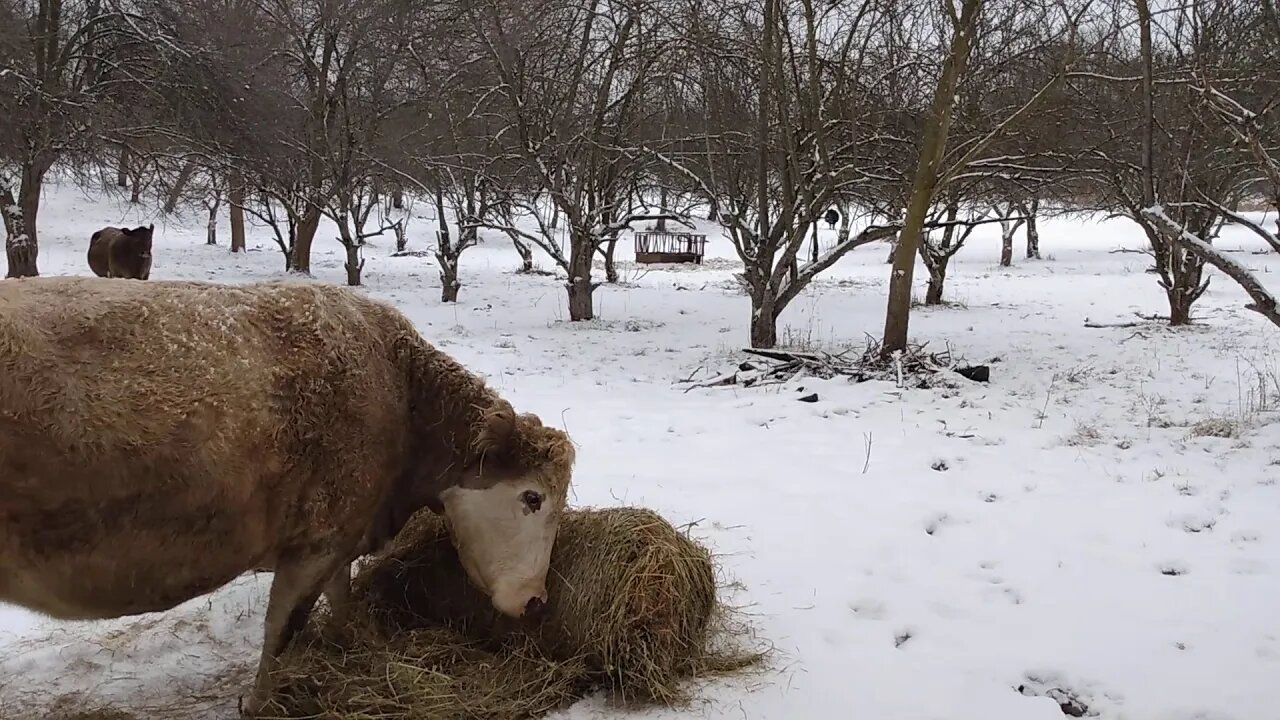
[(1073, 524)]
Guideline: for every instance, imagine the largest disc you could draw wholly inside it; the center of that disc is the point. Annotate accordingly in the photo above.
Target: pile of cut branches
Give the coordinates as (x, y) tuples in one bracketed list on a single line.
[(915, 367)]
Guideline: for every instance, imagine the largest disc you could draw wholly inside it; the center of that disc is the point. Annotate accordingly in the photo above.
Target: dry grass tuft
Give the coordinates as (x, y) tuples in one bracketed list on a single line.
[(94, 715), (1219, 427), (633, 612), (70, 707)]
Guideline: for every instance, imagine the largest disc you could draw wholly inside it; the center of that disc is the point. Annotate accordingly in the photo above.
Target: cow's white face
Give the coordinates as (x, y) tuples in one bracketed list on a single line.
[(504, 534)]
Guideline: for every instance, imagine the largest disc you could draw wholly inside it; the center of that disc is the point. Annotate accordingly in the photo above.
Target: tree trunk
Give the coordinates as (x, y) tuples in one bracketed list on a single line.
[(235, 190), (662, 207), (179, 186), (764, 321), (211, 229), (449, 284), (18, 243), (937, 129), (402, 235), (22, 247), (610, 267), (354, 263), (307, 226), (447, 253), (713, 208), (122, 168), (1006, 244), (1033, 237), (136, 172), (937, 258), (470, 236), (293, 243), (937, 280), (814, 254), (397, 199), (1187, 273), (526, 255), (581, 289), (581, 305), (7, 202), (1179, 307)]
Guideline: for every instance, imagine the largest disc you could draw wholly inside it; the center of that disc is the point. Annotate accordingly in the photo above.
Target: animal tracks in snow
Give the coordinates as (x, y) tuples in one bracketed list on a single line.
[(869, 609), (935, 523), (993, 586), (1072, 703)]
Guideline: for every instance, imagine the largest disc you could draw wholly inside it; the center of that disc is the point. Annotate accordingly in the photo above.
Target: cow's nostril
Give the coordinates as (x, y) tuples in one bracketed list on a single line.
[(535, 608)]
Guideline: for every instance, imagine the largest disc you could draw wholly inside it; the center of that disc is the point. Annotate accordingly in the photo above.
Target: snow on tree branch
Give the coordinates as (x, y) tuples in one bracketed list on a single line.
[(811, 270), (1235, 217), (1264, 303)]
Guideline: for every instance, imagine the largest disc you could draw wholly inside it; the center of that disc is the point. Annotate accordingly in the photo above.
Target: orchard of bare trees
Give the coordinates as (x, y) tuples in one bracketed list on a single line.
[(562, 125)]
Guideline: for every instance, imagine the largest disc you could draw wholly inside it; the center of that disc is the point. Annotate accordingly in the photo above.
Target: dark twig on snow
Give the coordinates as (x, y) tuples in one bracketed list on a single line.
[(1142, 321), (913, 368), (1097, 325)]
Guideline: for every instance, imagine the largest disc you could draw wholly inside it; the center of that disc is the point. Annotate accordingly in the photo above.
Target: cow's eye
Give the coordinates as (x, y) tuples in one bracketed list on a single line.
[(532, 500)]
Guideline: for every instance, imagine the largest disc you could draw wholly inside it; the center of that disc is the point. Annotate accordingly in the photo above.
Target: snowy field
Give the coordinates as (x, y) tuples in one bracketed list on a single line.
[(1102, 518)]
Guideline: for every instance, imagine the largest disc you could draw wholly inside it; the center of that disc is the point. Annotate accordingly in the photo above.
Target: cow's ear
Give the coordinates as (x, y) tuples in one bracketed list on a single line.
[(495, 431)]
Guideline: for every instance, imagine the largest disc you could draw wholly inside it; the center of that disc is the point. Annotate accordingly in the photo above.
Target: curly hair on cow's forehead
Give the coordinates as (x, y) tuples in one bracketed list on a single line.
[(523, 444)]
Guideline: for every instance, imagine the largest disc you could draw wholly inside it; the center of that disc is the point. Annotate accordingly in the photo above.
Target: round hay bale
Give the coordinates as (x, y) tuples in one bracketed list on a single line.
[(630, 596), (633, 610)]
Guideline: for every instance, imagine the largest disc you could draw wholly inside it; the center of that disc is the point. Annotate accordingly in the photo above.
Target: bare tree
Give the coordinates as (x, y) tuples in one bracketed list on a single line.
[(218, 110), (1054, 26), (60, 66), (473, 205), (1011, 218), (453, 151), (1188, 237), (287, 94), (1030, 209), (950, 239), (568, 78), (212, 202), (235, 200), (504, 217), (1178, 161), (933, 147), (777, 135)]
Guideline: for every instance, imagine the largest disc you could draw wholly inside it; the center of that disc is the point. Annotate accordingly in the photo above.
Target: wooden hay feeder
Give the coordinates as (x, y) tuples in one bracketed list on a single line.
[(668, 247)]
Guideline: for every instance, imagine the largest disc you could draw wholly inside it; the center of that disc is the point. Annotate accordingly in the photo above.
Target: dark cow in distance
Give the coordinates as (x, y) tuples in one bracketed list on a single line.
[(121, 252), (157, 440)]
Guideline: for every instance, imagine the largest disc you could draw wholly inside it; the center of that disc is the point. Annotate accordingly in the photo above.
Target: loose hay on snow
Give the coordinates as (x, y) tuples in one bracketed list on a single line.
[(633, 610)]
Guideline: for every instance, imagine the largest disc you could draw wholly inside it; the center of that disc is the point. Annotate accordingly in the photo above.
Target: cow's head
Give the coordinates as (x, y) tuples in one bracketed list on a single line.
[(504, 512)]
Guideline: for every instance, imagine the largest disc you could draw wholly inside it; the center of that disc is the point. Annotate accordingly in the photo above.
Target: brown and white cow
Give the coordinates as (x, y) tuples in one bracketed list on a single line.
[(159, 439)]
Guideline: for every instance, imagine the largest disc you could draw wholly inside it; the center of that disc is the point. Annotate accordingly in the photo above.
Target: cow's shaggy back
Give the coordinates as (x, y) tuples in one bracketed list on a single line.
[(121, 252), (110, 391)]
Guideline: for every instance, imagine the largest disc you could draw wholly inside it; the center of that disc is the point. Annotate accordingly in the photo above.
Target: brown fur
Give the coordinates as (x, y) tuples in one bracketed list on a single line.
[(121, 252), (157, 440)]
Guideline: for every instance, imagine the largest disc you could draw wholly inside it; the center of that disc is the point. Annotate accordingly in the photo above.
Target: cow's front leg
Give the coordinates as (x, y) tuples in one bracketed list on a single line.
[(294, 592), (338, 590)]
